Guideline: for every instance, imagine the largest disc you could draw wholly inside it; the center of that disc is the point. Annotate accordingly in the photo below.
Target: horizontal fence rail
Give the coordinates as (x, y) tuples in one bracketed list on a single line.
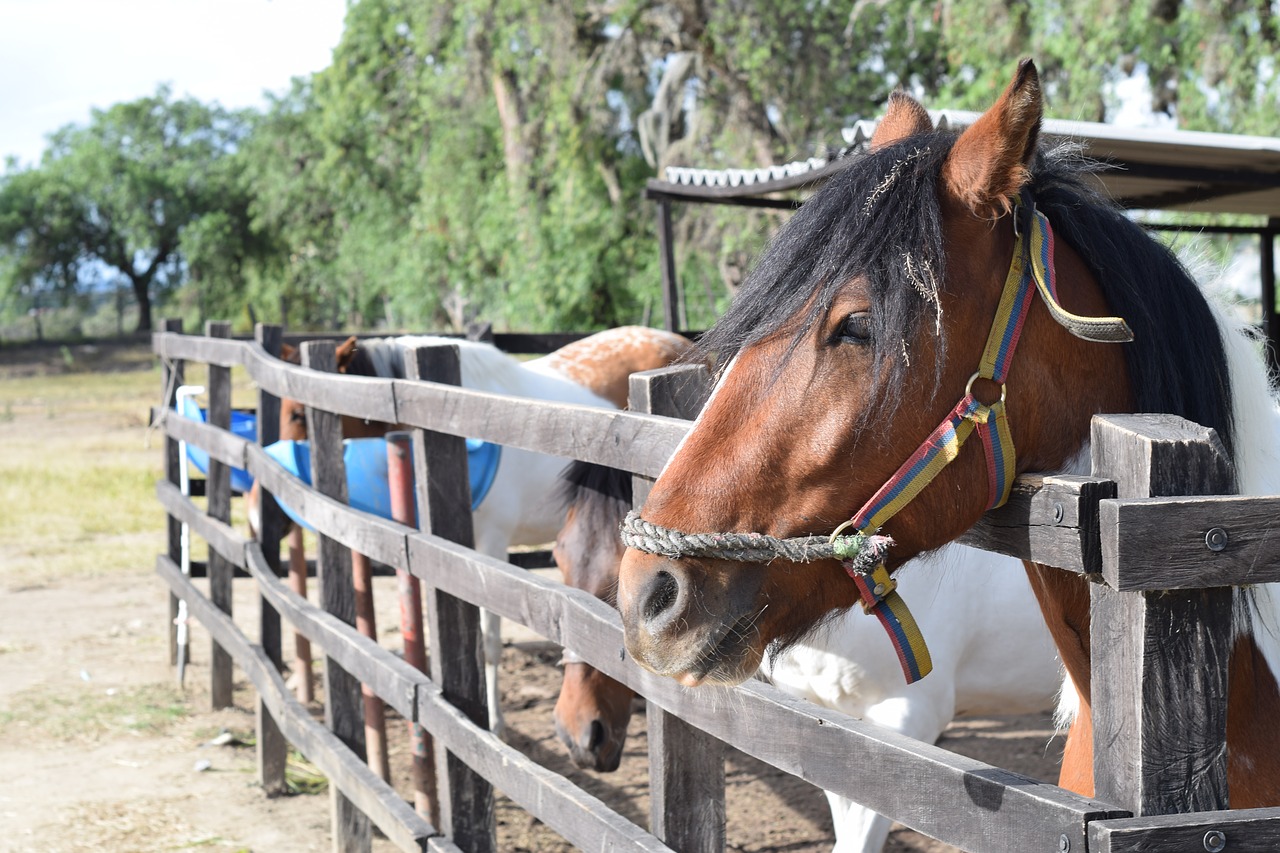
[(1075, 523)]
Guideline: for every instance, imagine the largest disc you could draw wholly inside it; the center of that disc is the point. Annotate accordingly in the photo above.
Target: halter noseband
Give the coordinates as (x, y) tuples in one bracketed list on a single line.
[(1030, 271)]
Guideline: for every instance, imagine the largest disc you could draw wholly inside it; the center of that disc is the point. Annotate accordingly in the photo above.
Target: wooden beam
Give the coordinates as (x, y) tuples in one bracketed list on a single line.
[(1236, 831), (272, 748), (1157, 752), (172, 371), (457, 653), (218, 492), (1190, 542), (686, 765), (343, 703), (1051, 520), (628, 440)]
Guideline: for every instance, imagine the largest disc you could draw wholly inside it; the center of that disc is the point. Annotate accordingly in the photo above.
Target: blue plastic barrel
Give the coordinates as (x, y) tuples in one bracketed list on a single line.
[(243, 424)]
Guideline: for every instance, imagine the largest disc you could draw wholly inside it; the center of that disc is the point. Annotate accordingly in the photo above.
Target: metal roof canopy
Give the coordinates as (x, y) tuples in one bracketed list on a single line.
[(1146, 169)]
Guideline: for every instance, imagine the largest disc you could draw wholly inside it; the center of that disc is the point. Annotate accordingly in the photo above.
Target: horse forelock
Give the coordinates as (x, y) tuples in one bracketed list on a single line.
[(880, 220)]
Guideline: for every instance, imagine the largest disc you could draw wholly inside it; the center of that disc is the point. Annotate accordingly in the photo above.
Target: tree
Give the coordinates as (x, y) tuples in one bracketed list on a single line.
[(487, 158), (146, 191)]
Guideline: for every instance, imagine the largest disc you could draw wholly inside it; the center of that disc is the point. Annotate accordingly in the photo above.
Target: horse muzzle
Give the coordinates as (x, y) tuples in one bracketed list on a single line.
[(692, 620)]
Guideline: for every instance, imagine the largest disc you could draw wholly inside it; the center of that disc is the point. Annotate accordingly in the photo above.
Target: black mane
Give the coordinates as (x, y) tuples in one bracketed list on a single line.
[(589, 483), (880, 218)]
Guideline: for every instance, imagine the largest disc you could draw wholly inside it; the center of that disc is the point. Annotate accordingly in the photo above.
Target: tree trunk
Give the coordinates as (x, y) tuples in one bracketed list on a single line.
[(142, 293)]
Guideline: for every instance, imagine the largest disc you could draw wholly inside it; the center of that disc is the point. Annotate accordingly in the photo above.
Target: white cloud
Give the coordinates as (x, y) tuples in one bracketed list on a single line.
[(60, 58)]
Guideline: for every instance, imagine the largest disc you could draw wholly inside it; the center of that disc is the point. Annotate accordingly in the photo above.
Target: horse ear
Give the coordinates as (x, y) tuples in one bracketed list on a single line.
[(990, 161), (903, 117), (345, 352), (289, 353)]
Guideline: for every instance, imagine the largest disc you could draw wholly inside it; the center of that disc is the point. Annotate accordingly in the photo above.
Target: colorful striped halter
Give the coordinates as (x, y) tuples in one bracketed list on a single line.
[(1030, 271)]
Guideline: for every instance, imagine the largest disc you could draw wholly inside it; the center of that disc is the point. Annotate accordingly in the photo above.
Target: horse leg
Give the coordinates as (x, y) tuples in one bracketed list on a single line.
[(1077, 755), (858, 828)]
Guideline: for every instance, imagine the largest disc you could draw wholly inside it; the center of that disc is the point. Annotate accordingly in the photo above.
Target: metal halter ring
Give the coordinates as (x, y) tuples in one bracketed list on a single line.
[(968, 389)]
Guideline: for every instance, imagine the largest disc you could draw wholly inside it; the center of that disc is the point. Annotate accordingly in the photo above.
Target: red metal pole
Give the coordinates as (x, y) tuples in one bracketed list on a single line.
[(301, 645), (375, 713), (400, 474)]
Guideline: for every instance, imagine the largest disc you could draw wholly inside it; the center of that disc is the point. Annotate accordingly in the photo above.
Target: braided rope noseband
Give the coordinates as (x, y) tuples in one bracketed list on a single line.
[(862, 552)]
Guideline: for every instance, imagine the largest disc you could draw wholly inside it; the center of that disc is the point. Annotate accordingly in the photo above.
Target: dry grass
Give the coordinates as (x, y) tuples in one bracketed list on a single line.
[(78, 464), (92, 714)]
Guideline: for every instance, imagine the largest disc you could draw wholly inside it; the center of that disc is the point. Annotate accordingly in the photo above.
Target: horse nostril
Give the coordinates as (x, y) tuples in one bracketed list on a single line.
[(666, 589), (597, 736)]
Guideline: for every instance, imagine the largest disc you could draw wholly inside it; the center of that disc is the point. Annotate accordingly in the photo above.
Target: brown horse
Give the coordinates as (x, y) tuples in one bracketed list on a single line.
[(593, 710), (851, 342)]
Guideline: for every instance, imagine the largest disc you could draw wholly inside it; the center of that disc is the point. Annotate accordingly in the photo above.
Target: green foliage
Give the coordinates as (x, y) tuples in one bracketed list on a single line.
[(486, 159), (145, 192)]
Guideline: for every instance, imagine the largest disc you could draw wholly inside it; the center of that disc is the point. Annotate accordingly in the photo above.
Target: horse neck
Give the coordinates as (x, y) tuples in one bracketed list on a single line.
[(1253, 771)]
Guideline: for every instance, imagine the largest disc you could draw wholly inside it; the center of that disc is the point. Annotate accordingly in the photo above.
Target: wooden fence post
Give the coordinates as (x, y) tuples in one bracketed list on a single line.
[(686, 765), (426, 800), (342, 699), (1160, 658), (172, 374), (456, 651), (218, 498), (273, 749)]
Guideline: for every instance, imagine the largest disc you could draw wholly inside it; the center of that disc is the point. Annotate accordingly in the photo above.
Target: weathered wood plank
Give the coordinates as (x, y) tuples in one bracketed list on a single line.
[(916, 784), (1238, 831), (1190, 542), (379, 538), (582, 819), (218, 504), (627, 440), (272, 748), (172, 372), (1158, 753), (210, 350), (393, 816), (343, 711), (221, 445), (358, 396), (457, 656), (391, 678), (686, 765), (1050, 520), (222, 537)]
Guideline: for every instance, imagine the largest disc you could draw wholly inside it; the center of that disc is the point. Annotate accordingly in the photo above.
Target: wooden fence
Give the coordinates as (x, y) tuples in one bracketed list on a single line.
[(1164, 564)]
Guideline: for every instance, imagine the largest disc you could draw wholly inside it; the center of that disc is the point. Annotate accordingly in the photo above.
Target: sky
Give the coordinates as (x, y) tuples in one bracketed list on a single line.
[(61, 58)]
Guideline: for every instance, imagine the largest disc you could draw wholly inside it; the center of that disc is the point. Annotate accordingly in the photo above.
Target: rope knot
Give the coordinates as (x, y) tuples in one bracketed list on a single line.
[(859, 552)]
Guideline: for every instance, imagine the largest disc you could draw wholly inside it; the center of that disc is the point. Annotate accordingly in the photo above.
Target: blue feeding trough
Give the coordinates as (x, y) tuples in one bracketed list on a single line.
[(365, 459), (243, 425)]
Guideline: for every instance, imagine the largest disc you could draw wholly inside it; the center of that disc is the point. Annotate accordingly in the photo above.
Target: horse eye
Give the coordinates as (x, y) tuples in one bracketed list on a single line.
[(297, 416), (855, 329)]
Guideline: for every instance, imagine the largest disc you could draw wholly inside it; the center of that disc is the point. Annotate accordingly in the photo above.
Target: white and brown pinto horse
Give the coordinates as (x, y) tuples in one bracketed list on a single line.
[(991, 651), (520, 507), (851, 342)]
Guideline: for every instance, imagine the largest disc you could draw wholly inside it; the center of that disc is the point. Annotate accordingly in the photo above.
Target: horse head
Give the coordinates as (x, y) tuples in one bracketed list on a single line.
[(868, 317), (593, 710), (293, 414)]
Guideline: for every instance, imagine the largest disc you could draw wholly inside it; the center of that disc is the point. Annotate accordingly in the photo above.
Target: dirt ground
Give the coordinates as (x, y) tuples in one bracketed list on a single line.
[(102, 752)]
